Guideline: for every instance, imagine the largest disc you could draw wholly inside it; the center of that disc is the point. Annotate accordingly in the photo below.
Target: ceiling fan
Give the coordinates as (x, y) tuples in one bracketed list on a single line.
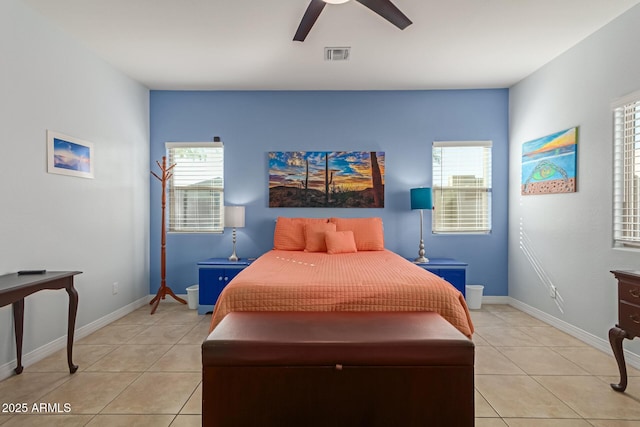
[(384, 8)]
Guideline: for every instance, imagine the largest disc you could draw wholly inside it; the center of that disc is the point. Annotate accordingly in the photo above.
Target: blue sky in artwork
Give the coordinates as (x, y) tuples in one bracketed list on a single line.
[(555, 152), (72, 156)]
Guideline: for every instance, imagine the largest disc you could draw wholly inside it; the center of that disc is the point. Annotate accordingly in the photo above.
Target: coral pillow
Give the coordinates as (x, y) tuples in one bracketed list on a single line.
[(340, 242), (314, 236), (367, 232), (289, 232)]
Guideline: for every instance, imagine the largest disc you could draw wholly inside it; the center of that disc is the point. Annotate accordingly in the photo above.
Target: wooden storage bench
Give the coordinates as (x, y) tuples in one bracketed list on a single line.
[(337, 369)]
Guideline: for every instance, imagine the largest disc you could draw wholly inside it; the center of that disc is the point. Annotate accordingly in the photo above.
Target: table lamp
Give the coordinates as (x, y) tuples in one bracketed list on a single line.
[(421, 199), (234, 217)]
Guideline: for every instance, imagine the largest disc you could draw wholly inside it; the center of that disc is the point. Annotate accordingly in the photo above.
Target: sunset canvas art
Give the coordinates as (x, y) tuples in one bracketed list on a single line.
[(339, 179), (549, 163)]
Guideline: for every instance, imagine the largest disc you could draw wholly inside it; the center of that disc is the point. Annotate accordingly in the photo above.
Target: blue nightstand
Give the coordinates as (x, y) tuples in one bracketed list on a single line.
[(451, 270), (214, 274)]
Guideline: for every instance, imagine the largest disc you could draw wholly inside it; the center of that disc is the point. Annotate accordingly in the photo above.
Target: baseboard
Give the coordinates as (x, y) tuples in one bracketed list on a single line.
[(495, 300), (40, 353), (603, 345)]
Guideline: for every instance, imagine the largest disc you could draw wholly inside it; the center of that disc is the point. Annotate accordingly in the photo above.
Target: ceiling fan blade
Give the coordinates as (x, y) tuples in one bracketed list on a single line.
[(309, 18), (388, 11)]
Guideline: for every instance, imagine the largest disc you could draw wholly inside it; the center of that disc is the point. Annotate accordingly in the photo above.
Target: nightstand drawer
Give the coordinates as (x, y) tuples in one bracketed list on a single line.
[(213, 281), (449, 269), (214, 275), (629, 292), (629, 318)]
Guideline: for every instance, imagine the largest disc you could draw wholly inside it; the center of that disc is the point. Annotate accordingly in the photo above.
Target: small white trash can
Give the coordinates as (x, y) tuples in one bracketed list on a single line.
[(473, 295), (193, 293)]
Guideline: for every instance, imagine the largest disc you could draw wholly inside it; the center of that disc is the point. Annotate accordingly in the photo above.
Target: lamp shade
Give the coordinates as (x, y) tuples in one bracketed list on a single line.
[(421, 198), (234, 216)]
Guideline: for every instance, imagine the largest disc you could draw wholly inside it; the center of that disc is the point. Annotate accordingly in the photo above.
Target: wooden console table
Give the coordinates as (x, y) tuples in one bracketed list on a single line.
[(628, 319), (14, 288)]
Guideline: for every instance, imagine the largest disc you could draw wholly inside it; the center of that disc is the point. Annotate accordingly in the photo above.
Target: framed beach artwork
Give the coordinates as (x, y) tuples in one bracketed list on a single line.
[(336, 179), (67, 155), (549, 163)]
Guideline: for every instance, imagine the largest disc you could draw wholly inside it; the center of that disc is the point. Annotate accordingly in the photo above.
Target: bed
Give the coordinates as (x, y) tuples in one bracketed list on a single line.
[(338, 264)]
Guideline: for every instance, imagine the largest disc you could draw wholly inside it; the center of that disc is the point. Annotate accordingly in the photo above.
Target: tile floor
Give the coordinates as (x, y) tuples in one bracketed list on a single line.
[(145, 370)]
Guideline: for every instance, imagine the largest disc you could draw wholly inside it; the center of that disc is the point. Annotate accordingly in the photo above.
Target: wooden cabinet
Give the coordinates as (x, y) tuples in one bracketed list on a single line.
[(628, 319), (214, 274), (451, 270)]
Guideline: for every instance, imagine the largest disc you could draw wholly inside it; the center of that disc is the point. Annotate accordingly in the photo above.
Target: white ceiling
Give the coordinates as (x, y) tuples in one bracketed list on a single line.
[(247, 44)]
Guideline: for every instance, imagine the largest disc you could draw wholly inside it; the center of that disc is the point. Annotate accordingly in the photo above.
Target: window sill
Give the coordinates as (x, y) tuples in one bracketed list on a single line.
[(626, 248)]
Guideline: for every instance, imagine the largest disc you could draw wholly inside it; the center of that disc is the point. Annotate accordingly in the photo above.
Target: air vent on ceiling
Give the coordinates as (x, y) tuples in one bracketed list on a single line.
[(337, 53)]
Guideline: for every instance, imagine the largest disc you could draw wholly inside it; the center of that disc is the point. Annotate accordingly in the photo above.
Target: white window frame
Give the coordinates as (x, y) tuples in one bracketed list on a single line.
[(462, 188), (626, 171), (195, 191)]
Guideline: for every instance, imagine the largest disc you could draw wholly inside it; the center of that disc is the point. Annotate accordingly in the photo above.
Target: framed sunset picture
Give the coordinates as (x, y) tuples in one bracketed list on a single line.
[(67, 155), (549, 163), (337, 179)]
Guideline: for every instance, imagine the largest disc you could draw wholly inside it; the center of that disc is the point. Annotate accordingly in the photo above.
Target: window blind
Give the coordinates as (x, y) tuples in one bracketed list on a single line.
[(626, 182), (461, 186), (195, 192)]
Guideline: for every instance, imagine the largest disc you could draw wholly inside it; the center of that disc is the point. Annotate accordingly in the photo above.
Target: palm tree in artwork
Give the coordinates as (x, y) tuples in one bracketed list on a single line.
[(376, 177), (327, 180)]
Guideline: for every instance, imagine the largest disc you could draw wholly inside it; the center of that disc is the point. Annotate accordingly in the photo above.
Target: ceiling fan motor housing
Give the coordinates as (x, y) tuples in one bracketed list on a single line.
[(384, 8)]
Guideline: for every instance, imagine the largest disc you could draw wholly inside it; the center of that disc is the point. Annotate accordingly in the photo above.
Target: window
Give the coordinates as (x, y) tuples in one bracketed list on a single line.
[(462, 187), (195, 196), (626, 181)]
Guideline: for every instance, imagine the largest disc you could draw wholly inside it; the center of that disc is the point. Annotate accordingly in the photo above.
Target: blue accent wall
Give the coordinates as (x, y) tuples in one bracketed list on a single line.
[(403, 124)]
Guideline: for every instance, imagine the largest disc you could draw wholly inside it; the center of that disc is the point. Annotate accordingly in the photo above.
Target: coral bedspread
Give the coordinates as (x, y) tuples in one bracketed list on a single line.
[(361, 281)]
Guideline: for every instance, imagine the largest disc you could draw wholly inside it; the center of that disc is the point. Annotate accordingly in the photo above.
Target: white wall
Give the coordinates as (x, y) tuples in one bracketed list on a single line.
[(569, 236), (99, 226)]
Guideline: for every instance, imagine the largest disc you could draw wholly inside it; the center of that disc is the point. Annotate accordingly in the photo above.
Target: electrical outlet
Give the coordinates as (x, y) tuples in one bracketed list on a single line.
[(115, 288), (552, 291)]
